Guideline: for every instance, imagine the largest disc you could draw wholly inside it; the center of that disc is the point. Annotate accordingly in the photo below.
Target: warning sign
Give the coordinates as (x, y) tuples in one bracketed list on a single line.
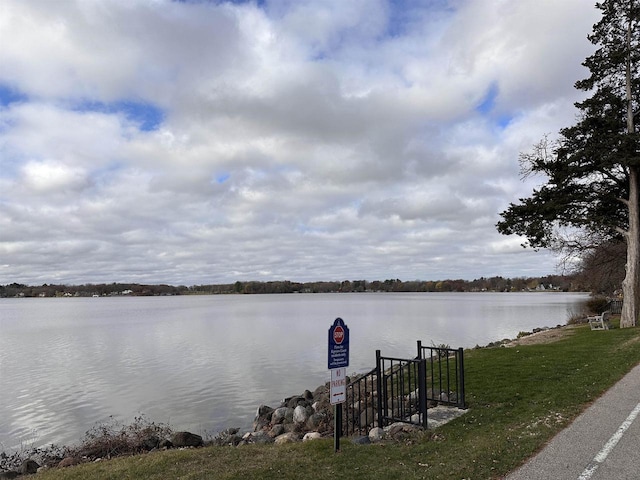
[(338, 345), (338, 390)]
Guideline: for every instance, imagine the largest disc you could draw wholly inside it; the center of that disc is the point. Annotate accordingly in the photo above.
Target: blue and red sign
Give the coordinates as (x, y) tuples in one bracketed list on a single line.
[(338, 345)]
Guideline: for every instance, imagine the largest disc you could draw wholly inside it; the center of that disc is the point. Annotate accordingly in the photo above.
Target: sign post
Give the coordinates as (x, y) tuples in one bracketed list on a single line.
[(338, 361)]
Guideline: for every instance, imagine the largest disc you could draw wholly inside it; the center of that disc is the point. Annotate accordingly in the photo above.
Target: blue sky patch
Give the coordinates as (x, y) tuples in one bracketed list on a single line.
[(10, 95), (487, 108), (503, 121), (223, 177), (146, 115), (402, 13), (489, 100)]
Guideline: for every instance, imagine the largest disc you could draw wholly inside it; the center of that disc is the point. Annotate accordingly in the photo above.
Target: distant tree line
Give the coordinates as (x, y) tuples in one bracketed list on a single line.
[(88, 290), (566, 283)]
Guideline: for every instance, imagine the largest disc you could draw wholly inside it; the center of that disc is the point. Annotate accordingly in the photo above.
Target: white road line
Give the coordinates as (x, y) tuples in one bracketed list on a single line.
[(610, 445)]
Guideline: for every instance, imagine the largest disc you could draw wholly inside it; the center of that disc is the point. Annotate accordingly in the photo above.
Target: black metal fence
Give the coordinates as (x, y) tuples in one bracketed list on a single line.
[(614, 306), (403, 386), (444, 374), (400, 390), (360, 408)]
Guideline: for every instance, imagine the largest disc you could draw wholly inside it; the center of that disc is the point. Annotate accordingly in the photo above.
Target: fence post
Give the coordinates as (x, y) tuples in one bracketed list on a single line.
[(422, 390), (461, 399), (419, 357), (379, 387)]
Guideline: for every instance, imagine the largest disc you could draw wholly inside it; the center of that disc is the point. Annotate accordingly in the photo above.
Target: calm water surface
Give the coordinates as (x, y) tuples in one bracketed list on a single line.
[(205, 363)]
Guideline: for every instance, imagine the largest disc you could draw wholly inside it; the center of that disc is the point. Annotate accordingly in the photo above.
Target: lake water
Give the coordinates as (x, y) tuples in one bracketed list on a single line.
[(205, 363)]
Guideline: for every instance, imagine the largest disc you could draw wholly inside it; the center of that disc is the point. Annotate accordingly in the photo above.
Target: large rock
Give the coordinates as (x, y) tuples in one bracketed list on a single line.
[(293, 402), (262, 418), (361, 440), (292, 427), (264, 411), (186, 439), (301, 414), (400, 431), (321, 390), (316, 420), (165, 443), (29, 467), (256, 437), (150, 442), (276, 431), (282, 415), (376, 434), (261, 423), (68, 462), (290, 437), (227, 437), (311, 436), (322, 403)]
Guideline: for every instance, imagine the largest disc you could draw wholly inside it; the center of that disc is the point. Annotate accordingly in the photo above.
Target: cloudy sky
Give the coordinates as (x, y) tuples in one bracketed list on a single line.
[(158, 141)]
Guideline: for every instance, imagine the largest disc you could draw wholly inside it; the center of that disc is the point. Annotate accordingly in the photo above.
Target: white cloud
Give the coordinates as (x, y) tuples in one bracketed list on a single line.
[(302, 139), (51, 177)]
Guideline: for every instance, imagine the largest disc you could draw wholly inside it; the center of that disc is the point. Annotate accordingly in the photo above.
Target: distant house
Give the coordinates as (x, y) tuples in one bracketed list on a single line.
[(126, 292)]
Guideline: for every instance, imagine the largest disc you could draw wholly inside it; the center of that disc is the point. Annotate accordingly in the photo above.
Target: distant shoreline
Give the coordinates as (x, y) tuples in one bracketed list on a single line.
[(553, 283)]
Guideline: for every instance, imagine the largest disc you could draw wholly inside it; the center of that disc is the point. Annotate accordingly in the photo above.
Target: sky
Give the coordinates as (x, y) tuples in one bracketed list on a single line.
[(199, 142)]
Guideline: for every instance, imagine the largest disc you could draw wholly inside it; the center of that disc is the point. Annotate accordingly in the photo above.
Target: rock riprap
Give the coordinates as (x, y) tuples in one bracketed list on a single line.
[(300, 418)]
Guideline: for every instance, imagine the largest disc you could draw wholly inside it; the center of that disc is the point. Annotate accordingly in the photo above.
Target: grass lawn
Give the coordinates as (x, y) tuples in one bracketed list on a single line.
[(518, 398)]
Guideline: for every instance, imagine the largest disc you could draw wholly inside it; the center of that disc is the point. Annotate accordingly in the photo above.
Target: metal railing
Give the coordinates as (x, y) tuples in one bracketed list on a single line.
[(444, 374), (400, 390), (360, 408), (404, 390)]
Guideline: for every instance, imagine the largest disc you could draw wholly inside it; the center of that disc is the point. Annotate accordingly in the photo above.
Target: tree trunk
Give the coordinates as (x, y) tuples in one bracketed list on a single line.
[(631, 283)]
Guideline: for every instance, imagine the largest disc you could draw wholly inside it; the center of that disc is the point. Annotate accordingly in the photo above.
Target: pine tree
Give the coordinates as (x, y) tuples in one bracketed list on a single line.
[(592, 194)]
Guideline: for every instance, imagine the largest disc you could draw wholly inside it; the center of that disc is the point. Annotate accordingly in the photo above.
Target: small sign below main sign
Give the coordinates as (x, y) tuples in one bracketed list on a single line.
[(338, 345), (338, 390)]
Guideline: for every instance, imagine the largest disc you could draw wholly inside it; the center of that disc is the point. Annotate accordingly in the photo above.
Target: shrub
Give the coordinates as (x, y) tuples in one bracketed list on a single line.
[(575, 316), (104, 440), (112, 439), (597, 304), (442, 349)]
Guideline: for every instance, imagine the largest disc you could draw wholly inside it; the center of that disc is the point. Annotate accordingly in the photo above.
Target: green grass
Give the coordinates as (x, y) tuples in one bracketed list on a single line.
[(518, 398)]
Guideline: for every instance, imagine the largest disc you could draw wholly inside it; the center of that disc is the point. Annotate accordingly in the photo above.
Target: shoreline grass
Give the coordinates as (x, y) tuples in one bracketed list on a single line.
[(518, 397)]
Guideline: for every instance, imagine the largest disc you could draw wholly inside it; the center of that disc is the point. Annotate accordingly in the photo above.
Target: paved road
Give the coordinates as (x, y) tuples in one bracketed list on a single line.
[(603, 443)]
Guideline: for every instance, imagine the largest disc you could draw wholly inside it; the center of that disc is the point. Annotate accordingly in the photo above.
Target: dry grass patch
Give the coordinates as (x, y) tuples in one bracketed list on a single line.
[(544, 336)]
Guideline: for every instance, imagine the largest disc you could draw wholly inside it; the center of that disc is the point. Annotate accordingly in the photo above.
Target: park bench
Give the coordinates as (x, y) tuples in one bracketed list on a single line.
[(600, 322)]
